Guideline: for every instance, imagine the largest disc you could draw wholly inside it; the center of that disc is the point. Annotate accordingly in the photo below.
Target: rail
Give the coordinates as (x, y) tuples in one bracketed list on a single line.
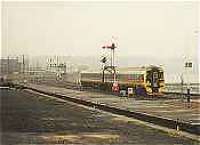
[(173, 124)]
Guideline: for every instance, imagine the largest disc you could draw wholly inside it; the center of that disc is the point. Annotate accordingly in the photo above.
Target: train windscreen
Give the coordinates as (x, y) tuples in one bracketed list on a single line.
[(155, 79)]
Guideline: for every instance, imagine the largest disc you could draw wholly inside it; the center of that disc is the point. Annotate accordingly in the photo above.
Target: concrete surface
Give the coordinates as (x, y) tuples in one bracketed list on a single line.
[(28, 118), (165, 108)]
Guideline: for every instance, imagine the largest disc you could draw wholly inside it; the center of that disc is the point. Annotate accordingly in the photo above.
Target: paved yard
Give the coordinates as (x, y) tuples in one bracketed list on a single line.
[(28, 118), (165, 108)]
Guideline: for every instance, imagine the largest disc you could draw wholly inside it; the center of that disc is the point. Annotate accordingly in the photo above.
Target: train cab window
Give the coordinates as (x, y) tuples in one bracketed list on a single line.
[(148, 76), (155, 75), (161, 76)]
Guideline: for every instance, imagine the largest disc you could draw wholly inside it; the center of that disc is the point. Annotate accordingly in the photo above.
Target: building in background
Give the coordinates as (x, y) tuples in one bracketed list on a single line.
[(53, 65), (10, 65)]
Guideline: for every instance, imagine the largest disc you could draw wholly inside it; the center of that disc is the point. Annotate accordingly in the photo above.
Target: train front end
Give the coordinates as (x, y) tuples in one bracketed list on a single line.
[(154, 81)]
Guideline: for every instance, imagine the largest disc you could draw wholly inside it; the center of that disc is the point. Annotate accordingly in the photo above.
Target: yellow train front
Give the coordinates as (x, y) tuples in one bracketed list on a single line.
[(147, 80)]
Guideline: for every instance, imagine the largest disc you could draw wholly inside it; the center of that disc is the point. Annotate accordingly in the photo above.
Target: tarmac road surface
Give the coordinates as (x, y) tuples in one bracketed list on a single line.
[(28, 118)]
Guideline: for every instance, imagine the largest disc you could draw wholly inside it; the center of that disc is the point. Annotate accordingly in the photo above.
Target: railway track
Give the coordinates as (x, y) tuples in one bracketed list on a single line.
[(29, 117), (167, 95), (173, 124), (169, 123), (70, 85)]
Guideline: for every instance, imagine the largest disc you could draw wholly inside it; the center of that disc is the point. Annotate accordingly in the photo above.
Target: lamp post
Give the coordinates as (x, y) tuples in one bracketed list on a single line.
[(182, 85), (188, 67)]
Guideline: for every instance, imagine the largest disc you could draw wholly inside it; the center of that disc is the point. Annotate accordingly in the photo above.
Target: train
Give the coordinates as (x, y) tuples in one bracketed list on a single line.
[(145, 80)]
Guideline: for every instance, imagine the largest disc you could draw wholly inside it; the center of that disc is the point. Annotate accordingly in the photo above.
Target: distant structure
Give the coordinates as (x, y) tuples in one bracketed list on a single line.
[(56, 67), (10, 65)]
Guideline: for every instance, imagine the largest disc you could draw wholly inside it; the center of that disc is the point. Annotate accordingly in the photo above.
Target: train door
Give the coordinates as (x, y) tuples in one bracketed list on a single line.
[(155, 81)]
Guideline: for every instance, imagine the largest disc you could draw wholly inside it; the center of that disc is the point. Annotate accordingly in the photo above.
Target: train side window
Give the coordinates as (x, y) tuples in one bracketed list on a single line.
[(130, 77), (135, 77), (141, 77)]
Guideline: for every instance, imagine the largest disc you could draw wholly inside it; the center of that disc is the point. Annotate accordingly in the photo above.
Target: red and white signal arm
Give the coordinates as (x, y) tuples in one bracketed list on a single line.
[(115, 87)]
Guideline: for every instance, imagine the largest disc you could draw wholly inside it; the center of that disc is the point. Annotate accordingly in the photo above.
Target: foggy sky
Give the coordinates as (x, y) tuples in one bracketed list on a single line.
[(145, 32), (156, 29)]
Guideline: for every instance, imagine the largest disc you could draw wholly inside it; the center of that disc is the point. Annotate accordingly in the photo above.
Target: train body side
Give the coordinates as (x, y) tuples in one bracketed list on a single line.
[(144, 81)]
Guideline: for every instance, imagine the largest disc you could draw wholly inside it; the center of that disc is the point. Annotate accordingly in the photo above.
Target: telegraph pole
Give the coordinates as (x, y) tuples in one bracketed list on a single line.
[(57, 74), (8, 69), (23, 71), (23, 64)]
